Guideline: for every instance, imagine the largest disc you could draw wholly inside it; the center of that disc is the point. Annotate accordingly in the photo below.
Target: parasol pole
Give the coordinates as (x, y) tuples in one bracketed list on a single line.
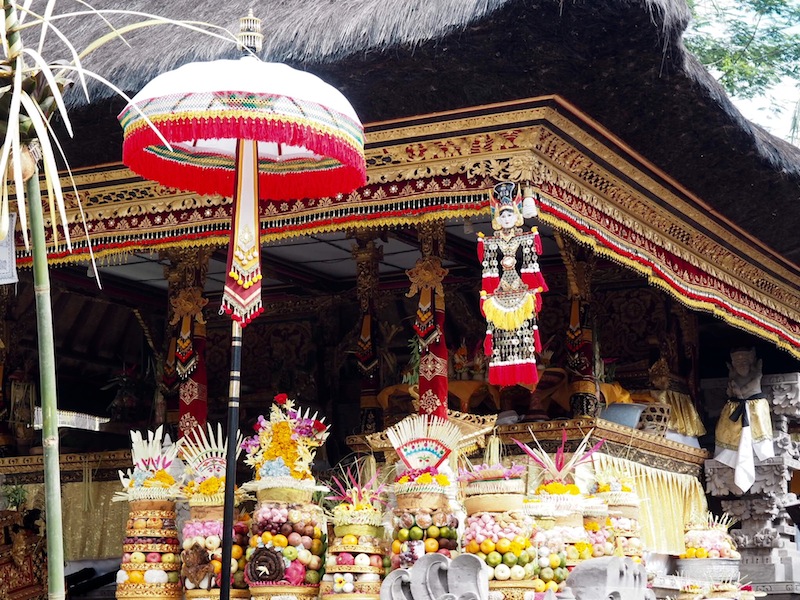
[(47, 383), (230, 461)]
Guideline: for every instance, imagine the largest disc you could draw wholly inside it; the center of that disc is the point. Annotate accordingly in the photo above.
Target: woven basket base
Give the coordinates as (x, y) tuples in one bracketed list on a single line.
[(264, 592), (422, 500)]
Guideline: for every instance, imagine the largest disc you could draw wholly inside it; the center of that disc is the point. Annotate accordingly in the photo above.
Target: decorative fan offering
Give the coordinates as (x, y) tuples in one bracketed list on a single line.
[(424, 441), (150, 478), (204, 455)]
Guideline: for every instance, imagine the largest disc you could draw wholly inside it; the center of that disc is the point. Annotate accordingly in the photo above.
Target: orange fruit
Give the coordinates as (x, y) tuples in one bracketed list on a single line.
[(487, 546), (701, 553), (254, 539), (236, 551), (280, 541), (266, 537), (691, 552), (431, 545), (503, 545), (397, 547), (135, 577), (217, 565), (350, 540), (473, 547), (316, 547), (522, 541)]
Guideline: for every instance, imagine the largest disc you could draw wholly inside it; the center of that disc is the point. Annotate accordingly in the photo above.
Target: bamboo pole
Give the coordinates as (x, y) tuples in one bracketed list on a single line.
[(47, 385)]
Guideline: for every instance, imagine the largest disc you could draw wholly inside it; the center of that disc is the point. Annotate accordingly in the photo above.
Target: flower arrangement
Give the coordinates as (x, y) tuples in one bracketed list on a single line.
[(558, 469), (152, 459), (357, 503), (425, 476), (284, 445)]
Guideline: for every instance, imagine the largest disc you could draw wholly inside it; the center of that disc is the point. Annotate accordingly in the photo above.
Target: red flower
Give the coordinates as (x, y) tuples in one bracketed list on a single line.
[(319, 426), (281, 398)]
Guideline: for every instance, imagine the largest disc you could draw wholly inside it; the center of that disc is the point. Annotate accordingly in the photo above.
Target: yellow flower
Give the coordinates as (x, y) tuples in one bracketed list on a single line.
[(425, 479), (160, 479), (403, 479), (573, 489), (442, 480), (211, 486), (591, 526)]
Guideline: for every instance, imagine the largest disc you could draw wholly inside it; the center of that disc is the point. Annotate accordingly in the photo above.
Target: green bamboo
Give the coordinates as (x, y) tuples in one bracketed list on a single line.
[(47, 385)]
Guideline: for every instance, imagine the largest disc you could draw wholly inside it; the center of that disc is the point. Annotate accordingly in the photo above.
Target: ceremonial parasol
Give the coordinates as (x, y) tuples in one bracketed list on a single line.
[(251, 130)]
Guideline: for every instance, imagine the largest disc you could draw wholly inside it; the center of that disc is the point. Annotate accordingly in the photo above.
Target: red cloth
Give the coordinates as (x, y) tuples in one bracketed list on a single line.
[(193, 396), (433, 372)]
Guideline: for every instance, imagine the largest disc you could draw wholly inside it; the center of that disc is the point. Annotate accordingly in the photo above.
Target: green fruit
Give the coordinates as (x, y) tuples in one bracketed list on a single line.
[(433, 532), (387, 561), (494, 558), (523, 559), (510, 559), (444, 532), (402, 535), (482, 556), (546, 574), (290, 553), (312, 577), (173, 577), (415, 533)]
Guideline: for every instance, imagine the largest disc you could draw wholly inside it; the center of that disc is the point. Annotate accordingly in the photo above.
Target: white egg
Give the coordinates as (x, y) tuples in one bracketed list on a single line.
[(188, 585), (122, 576)]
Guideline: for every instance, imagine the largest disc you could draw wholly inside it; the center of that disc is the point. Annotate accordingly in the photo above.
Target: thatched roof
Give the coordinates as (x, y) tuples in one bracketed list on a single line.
[(620, 61)]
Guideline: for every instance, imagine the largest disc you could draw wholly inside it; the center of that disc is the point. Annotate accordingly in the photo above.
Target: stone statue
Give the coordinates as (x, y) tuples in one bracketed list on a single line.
[(744, 429), (436, 577)]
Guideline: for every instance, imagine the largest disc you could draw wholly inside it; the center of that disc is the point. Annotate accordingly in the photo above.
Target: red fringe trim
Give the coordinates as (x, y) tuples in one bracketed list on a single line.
[(537, 243), (209, 181), (490, 283), (488, 346), (522, 373), (534, 279)]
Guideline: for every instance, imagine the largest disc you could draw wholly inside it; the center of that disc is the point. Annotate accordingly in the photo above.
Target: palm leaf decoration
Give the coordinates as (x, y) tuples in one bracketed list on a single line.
[(560, 467)]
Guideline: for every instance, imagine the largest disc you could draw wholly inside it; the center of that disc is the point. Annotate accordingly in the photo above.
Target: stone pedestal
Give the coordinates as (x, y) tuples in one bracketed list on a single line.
[(766, 534)]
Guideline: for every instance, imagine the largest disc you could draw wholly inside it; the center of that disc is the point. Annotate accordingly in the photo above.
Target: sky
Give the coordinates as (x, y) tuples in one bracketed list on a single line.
[(773, 110)]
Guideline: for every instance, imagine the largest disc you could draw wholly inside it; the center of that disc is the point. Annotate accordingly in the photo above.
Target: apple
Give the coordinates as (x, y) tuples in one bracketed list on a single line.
[(140, 524), (502, 572), (290, 553), (153, 557), (212, 542), (304, 556), (375, 560), (306, 541), (138, 557), (345, 558), (315, 564), (361, 560), (443, 552), (330, 560), (395, 561), (126, 557)]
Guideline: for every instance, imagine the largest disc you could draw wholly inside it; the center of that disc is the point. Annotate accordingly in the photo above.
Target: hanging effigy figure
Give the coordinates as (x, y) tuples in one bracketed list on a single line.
[(744, 429), (511, 295)]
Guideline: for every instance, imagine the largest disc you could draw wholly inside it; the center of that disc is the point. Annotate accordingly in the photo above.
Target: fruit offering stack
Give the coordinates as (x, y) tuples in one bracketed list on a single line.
[(598, 527), (356, 560), (708, 537), (287, 540), (423, 521), (205, 457), (150, 563), (422, 530), (502, 541), (355, 565), (286, 546), (151, 547), (623, 514)]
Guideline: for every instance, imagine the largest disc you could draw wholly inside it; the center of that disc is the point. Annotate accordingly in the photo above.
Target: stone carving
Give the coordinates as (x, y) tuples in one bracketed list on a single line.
[(609, 577), (436, 577)]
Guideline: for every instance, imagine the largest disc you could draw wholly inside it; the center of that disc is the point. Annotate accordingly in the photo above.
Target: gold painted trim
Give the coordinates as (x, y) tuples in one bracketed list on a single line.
[(119, 459)]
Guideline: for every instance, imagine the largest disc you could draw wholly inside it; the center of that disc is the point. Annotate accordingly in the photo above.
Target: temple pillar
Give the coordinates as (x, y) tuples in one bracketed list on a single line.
[(426, 280), (579, 261), (766, 538), (368, 255), (184, 366)]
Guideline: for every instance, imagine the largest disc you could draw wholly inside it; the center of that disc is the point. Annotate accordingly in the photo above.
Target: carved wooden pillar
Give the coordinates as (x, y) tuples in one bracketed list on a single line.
[(426, 280), (584, 391), (185, 363), (368, 256)]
